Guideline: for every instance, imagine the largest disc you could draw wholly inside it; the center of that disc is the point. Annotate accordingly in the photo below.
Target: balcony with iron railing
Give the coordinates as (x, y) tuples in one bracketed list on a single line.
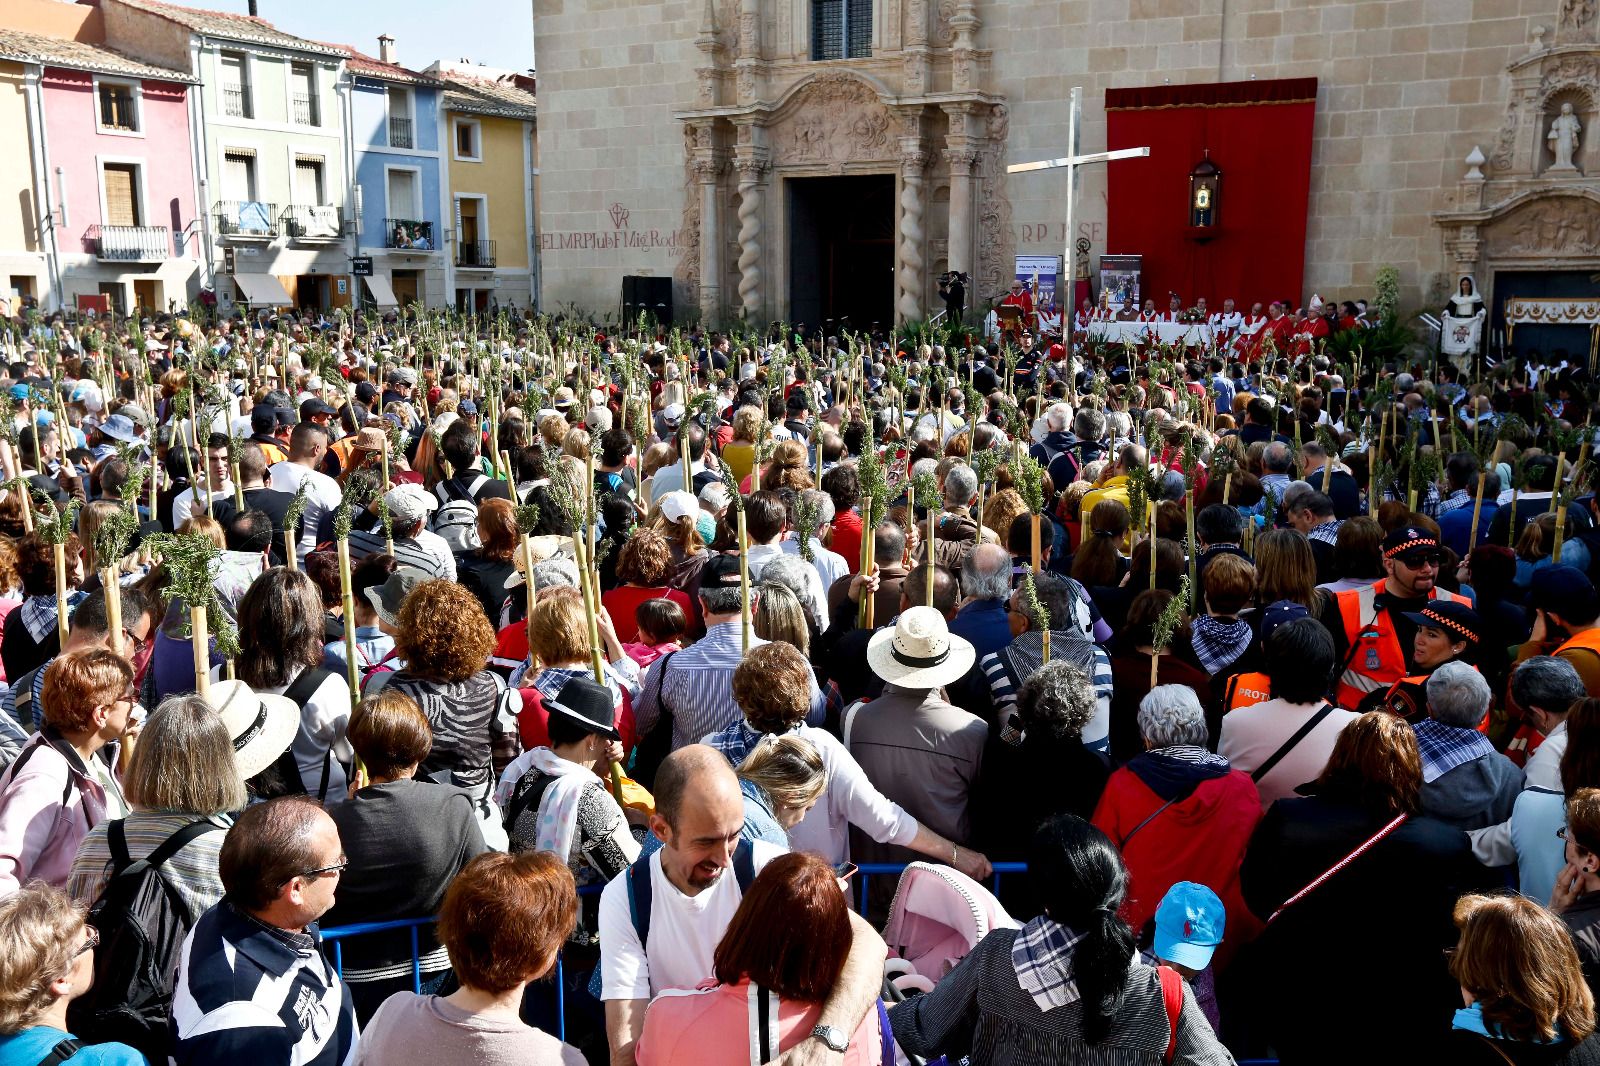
[(236, 101), (311, 222), (130, 244), (472, 254), (400, 133), (306, 111), (246, 219), (412, 234)]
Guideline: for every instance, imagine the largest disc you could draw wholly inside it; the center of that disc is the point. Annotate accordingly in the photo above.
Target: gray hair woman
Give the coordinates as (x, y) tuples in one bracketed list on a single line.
[(1177, 811), (182, 771), (791, 571), (1465, 782)]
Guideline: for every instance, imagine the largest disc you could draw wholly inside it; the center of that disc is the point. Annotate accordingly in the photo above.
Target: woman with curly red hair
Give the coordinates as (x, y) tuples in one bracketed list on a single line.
[(445, 642)]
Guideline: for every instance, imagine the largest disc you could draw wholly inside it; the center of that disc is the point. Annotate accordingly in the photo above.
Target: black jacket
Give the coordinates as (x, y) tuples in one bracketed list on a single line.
[(1583, 918), (1392, 904), (1461, 1048)]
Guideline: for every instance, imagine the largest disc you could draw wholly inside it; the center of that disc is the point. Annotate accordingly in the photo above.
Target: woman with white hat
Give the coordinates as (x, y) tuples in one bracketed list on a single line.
[(190, 766)]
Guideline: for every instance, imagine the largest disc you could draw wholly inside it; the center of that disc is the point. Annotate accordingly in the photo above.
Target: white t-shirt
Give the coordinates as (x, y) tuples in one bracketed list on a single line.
[(322, 499), (1251, 734), (684, 931), (183, 503)]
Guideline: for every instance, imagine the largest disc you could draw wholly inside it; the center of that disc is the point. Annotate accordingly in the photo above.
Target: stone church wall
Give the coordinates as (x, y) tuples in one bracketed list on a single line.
[(1407, 88)]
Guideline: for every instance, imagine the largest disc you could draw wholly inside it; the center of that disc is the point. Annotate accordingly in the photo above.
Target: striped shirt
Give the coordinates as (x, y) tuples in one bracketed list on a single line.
[(428, 552), (251, 993), (1026, 654), (698, 687), (192, 872)]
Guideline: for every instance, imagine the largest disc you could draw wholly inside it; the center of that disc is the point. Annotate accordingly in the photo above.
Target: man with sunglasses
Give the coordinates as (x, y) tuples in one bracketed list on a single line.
[(253, 986), (1370, 627)]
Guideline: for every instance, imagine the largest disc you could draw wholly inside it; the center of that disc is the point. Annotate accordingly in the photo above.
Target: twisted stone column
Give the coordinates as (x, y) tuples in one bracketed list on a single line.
[(750, 168), (910, 253)]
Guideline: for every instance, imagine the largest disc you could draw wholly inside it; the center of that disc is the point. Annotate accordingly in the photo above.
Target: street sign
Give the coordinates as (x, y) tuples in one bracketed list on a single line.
[(361, 266)]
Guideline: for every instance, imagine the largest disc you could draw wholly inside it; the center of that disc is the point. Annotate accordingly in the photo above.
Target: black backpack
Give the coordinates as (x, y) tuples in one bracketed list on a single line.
[(142, 921)]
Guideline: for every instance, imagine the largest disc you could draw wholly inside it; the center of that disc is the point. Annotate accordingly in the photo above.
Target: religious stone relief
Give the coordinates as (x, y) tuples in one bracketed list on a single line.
[(687, 273), (944, 33), (1576, 15), (837, 118), (1561, 226), (996, 237)]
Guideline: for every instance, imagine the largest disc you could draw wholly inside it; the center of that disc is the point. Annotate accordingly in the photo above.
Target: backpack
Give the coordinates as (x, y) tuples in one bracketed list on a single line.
[(641, 892), (456, 520), (305, 686), (143, 921)]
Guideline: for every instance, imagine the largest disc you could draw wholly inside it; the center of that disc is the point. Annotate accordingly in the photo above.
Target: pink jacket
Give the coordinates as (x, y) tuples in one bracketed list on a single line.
[(713, 1024), (46, 809)]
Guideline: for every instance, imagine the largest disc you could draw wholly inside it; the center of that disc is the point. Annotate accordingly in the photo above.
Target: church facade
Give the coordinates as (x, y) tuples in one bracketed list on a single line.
[(799, 159)]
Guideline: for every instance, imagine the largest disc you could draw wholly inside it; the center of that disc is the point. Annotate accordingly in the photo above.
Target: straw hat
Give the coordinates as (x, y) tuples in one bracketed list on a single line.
[(262, 725), (920, 651)]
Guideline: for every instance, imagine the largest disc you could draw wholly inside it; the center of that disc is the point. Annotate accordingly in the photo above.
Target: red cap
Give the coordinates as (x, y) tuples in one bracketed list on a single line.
[(1057, 351)]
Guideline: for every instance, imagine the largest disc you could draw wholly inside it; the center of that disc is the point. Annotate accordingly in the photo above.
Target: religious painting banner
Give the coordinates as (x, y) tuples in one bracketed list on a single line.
[(1040, 274), (1554, 311), (1120, 277), (1259, 133)]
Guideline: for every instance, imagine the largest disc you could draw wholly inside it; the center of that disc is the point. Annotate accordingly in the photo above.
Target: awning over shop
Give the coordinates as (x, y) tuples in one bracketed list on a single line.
[(262, 290), (382, 293)]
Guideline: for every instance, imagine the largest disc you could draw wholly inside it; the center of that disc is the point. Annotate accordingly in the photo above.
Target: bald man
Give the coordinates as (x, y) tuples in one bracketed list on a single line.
[(686, 895)]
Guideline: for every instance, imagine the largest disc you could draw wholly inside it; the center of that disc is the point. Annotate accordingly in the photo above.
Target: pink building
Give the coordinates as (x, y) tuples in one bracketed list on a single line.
[(117, 161)]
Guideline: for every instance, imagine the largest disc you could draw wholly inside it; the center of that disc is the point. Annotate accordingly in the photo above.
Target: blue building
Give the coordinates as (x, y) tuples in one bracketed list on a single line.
[(395, 135)]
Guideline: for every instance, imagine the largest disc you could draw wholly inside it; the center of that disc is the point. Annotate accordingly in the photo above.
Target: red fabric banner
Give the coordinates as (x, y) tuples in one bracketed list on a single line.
[(1259, 134)]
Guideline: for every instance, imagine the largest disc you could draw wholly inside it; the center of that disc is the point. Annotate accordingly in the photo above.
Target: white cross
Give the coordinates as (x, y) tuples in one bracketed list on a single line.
[(1071, 162)]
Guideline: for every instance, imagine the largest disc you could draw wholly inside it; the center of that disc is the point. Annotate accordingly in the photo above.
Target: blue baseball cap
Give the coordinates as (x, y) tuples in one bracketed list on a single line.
[(1280, 613), (21, 392), (1189, 925)]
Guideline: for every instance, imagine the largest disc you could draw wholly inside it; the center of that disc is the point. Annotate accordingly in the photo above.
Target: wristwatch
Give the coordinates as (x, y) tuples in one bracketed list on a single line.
[(836, 1039)]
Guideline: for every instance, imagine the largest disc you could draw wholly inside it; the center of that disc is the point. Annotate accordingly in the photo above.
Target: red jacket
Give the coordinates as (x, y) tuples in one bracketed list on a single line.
[(1200, 838)]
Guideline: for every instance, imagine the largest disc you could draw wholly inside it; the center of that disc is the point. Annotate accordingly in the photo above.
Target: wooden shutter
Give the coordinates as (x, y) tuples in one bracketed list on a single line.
[(238, 175), (121, 205), (307, 180)]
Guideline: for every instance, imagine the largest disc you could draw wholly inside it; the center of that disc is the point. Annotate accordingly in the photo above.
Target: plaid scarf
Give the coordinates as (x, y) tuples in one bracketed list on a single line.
[(39, 616), (1445, 747), (1042, 956), (1327, 532), (1218, 642)]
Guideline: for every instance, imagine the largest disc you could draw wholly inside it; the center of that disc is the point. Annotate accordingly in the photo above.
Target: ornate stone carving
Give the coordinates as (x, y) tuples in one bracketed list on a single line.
[(687, 272), (1556, 226), (1570, 72), (1506, 145), (960, 160), (916, 21), (943, 32), (996, 237), (836, 117), (751, 165), (1575, 19)]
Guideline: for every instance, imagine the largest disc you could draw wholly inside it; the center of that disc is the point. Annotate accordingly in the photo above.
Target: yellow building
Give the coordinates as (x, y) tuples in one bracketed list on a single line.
[(489, 164), (23, 264)]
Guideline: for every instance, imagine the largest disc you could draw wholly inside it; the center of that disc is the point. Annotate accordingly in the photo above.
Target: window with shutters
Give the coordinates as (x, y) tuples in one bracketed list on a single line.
[(303, 94), (841, 29), (469, 146), (122, 194), (119, 106), (402, 194), (308, 186), (238, 174), (236, 85)]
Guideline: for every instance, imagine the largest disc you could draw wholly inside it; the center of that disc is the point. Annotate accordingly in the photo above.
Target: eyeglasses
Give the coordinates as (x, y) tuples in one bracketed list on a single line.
[(323, 871), (91, 940)]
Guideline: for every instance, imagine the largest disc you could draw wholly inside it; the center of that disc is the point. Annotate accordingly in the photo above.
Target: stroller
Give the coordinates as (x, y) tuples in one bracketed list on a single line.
[(938, 915)]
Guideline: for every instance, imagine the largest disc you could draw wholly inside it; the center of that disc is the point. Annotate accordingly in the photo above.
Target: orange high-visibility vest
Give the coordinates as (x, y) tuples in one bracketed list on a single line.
[(1373, 657), (1246, 690)]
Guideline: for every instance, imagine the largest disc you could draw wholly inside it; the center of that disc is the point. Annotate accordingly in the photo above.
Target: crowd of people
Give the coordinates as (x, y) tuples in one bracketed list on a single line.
[(592, 667)]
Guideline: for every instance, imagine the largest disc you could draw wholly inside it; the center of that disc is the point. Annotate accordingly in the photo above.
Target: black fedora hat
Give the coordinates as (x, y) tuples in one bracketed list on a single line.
[(588, 705)]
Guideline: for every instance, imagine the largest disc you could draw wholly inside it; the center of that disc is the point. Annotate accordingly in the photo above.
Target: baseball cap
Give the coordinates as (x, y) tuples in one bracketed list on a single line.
[(410, 503), (1456, 618), (263, 419), (1280, 613), (720, 571), (313, 406), (1189, 924), (1565, 591), (366, 392), (1408, 542), (677, 506)]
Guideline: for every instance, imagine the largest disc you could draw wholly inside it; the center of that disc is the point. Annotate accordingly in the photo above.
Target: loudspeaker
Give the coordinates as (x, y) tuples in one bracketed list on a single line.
[(654, 295)]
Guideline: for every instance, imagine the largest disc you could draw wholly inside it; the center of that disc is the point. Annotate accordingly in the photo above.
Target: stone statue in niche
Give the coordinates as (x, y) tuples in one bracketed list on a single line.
[(1563, 138), (1576, 14)]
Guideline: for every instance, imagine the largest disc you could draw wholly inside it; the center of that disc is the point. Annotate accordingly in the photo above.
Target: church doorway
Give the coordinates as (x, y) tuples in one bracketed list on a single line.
[(1553, 342), (841, 251)]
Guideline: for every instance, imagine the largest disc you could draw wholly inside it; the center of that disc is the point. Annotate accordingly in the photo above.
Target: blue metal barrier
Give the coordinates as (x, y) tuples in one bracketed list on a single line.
[(869, 870)]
